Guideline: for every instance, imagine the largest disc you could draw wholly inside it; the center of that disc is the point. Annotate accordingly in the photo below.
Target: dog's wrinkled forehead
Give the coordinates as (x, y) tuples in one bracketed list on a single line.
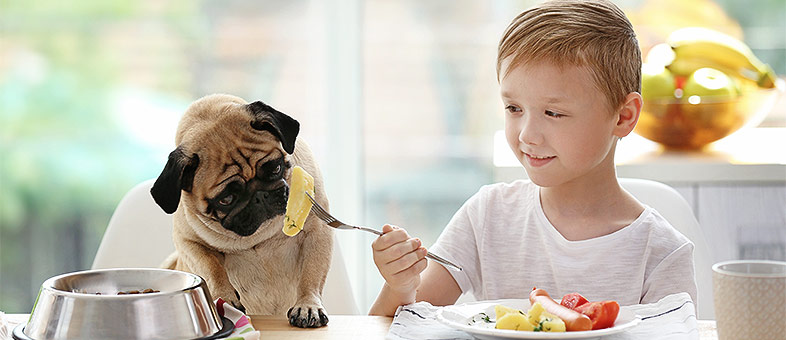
[(234, 115)]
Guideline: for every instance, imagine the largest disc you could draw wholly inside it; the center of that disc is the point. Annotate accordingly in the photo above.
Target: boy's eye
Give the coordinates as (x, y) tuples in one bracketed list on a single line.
[(554, 114), (512, 109)]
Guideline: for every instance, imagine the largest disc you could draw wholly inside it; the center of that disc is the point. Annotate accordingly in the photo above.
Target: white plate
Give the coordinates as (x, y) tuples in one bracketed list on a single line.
[(458, 316)]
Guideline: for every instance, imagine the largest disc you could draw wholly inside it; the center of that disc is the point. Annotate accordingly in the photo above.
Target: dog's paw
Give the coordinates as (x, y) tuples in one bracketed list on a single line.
[(307, 316), (233, 298), (237, 304)]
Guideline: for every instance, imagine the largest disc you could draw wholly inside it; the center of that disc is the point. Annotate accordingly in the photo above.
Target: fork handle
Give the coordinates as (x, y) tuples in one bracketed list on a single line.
[(373, 231), (429, 254), (443, 261)]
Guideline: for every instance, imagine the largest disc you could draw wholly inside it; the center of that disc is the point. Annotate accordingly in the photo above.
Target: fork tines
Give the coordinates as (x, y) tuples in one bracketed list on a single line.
[(319, 211)]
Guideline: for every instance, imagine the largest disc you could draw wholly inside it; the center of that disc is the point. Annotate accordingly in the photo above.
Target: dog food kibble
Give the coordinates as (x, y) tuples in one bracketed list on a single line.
[(146, 291)]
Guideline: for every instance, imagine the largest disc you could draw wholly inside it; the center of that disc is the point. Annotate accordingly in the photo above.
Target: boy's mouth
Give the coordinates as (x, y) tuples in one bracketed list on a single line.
[(537, 161)]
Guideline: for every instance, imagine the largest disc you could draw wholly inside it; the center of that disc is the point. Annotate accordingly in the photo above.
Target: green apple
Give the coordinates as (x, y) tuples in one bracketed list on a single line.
[(709, 82), (657, 82)]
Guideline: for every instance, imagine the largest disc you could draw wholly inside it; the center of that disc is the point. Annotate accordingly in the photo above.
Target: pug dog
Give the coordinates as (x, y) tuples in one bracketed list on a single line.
[(226, 183)]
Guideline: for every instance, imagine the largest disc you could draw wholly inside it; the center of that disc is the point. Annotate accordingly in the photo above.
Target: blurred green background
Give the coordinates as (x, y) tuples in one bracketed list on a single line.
[(68, 147)]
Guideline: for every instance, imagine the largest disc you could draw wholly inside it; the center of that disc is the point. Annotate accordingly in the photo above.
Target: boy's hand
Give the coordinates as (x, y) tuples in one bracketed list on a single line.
[(400, 259)]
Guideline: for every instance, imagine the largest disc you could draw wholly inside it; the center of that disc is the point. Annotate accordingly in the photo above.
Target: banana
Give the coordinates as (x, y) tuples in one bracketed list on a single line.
[(697, 47), (685, 67)]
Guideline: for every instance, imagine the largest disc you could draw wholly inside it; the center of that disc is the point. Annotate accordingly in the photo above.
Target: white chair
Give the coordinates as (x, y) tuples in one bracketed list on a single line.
[(139, 234), (675, 209)]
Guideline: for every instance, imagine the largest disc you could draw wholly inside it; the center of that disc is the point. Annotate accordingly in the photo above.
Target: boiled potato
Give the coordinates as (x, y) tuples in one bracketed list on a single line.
[(515, 321), (534, 313), (298, 205), (551, 323), (535, 319), (501, 310)]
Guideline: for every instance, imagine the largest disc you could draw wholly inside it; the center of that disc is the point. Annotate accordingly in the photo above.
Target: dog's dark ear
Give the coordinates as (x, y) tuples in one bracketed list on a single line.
[(278, 123), (178, 174)]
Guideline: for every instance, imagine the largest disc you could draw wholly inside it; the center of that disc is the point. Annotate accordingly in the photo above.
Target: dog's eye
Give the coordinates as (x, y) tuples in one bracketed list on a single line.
[(227, 200), (271, 170)]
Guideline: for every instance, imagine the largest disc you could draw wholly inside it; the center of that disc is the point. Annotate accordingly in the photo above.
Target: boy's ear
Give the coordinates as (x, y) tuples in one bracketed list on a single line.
[(628, 114)]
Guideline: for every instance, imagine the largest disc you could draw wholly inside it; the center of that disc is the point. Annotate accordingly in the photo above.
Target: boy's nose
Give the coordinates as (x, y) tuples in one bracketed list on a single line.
[(530, 133)]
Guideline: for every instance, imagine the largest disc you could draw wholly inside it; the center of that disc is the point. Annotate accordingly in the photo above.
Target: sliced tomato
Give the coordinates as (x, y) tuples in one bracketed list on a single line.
[(602, 313), (573, 300)]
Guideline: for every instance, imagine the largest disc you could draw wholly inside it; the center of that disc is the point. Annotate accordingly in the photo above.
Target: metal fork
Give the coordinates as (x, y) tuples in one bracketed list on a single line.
[(335, 223)]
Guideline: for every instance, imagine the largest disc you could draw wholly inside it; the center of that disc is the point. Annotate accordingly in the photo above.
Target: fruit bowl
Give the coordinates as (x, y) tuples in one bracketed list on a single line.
[(126, 303), (694, 122)]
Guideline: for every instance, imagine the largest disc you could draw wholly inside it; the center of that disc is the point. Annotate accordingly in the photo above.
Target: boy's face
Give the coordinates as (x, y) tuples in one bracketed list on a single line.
[(557, 123)]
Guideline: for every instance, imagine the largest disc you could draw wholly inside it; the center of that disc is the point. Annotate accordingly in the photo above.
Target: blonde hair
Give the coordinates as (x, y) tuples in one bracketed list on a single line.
[(595, 34)]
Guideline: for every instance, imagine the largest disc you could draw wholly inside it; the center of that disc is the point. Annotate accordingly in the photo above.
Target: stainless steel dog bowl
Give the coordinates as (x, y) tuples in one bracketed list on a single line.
[(86, 305)]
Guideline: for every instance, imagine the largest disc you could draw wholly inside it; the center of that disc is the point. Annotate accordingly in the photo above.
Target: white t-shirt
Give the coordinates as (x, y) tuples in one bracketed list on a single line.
[(506, 246)]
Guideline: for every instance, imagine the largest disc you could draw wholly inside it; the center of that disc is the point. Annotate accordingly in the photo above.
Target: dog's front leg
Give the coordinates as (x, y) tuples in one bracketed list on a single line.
[(314, 262), (209, 264)]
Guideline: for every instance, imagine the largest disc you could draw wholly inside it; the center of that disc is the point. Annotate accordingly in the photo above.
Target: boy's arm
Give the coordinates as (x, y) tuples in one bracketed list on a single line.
[(388, 301), (437, 286)]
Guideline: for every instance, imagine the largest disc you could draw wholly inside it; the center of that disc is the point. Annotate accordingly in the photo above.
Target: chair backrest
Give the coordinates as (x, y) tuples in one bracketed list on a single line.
[(139, 234), (675, 209)]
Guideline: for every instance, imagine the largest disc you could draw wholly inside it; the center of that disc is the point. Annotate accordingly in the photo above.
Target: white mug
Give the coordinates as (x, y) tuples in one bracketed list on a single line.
[(750, 299)]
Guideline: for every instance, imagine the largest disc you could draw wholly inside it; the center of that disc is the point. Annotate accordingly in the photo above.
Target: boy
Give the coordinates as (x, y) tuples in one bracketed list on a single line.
[(570, 75)]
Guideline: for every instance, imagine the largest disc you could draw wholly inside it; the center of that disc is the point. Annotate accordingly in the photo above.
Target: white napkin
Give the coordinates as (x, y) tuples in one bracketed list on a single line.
[(419, 321), (8, 322), (673, 318), (4, 333)]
